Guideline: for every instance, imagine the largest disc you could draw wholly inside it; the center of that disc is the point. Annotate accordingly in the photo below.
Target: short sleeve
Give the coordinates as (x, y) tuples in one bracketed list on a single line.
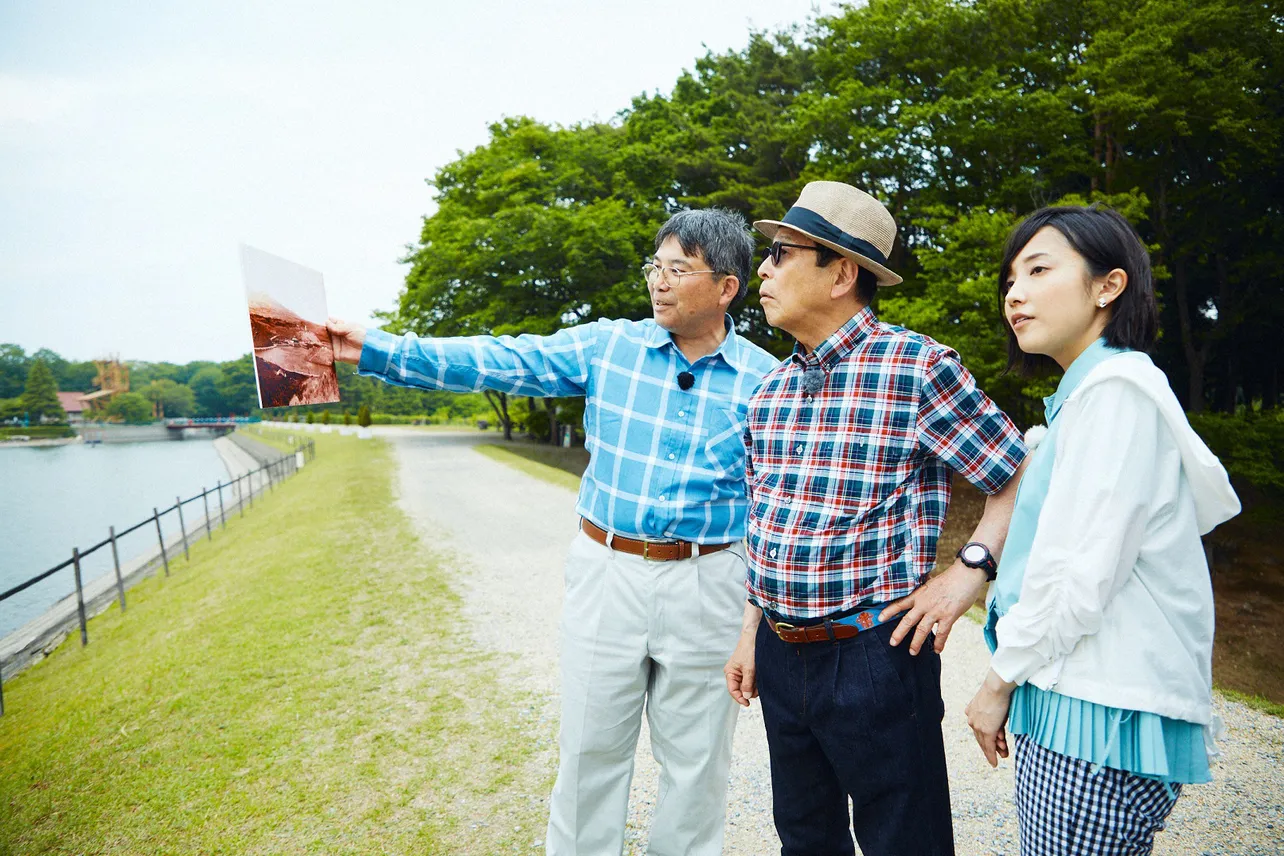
[(962, 427)]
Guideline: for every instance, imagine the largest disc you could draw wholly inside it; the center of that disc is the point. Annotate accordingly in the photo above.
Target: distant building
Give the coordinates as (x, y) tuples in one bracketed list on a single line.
[(73, 403)]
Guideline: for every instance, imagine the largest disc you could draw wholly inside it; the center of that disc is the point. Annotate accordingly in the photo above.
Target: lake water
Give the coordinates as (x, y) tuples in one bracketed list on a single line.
[(59, 497)]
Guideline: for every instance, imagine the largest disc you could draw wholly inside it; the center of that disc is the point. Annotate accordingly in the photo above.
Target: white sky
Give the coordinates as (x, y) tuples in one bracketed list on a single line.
[(141, 143)]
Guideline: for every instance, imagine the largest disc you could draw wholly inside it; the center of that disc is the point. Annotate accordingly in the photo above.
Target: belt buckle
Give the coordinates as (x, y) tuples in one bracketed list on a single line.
[(646, 550), (782, 628)]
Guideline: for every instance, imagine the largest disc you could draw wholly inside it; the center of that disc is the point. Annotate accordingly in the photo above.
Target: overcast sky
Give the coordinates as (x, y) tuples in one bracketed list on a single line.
[(141, 143)]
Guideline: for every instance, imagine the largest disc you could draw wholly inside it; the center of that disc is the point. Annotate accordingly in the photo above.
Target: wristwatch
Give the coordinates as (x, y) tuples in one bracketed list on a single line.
[(974, 554)]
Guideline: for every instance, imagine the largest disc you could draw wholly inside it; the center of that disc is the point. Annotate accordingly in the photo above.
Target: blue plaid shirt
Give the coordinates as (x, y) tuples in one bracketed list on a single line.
[(665, 464)]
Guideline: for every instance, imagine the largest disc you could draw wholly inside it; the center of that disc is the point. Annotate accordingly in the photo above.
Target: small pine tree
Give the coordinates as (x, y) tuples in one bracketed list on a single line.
[(363, 416), (311, 418), (347, 417), (40, 397), (325, 417)]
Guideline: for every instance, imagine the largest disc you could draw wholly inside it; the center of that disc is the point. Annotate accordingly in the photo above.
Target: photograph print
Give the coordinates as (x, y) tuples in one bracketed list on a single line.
[(293, 357)]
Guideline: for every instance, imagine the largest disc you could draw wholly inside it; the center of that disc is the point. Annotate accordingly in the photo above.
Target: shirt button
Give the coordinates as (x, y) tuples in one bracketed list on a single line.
[(798, 449), (773, 554), (682, 413), (663, 498), (672, 456)]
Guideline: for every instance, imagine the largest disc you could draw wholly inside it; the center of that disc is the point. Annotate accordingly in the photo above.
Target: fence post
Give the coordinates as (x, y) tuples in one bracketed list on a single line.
[(205, 498), (250, 478), (182, 527), (161, 537), (1, 688), (221, 516), (115, 558), (240, 493), (80, 597)]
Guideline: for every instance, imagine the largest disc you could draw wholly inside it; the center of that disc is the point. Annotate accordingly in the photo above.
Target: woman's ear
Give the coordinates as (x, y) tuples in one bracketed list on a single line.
[(1110, 287)]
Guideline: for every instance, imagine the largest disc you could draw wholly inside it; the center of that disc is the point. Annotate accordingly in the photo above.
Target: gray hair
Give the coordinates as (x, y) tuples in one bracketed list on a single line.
[(721, 236)]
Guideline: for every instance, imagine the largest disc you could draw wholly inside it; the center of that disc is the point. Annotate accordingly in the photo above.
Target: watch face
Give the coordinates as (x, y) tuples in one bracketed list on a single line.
[(974, 553)]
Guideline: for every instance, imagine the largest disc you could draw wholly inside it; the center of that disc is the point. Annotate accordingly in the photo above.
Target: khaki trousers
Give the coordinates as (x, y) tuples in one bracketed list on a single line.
[(643, 634)]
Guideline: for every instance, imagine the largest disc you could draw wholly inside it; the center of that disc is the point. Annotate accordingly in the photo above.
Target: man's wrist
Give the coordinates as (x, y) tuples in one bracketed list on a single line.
[(967, 570)]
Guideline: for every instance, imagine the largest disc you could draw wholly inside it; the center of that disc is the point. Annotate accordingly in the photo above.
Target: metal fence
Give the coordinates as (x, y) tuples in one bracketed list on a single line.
[(240, 490)]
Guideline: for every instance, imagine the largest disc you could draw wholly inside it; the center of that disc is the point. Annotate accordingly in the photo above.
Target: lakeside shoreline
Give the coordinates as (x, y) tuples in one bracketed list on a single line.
[(39, 637)]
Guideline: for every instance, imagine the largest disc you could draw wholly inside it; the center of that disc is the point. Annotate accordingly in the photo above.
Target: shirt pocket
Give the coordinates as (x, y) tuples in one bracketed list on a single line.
[(725, 449)]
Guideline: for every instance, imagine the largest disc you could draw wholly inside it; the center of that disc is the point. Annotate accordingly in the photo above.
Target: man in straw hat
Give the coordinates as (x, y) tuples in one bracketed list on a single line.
[(851, 443)]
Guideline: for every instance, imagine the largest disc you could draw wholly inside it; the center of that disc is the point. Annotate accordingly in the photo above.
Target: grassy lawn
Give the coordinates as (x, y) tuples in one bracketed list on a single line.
[(527, 459), (299, 687)]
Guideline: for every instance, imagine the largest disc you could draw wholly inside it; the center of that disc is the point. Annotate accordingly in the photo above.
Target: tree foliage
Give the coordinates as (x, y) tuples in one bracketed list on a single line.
[(132, 408), (39, 399), (962, 116)]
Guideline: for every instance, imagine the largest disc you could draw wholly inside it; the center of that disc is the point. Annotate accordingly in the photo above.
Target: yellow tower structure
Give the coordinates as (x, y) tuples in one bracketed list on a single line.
[(112, 379)]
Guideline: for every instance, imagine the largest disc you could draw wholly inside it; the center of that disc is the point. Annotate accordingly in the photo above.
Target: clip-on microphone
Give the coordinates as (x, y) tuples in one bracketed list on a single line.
[(686, 380)]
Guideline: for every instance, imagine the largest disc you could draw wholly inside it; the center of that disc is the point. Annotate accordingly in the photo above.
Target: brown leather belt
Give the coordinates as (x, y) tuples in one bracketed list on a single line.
[(656, 551), (830, 631)]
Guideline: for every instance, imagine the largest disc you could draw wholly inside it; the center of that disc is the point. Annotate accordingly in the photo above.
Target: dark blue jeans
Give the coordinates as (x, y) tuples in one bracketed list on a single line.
[(855, 720)]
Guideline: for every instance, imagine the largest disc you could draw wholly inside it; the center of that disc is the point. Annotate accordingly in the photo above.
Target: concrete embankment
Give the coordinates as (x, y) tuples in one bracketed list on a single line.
[(97, 433), (39, 637)]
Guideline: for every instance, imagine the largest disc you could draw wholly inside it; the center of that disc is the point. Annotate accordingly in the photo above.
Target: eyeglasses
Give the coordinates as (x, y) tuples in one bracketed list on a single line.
[(672, 276), (777, 249)]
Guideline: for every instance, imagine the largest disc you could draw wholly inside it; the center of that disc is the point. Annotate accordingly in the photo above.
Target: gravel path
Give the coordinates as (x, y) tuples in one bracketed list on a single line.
[(509, 533)]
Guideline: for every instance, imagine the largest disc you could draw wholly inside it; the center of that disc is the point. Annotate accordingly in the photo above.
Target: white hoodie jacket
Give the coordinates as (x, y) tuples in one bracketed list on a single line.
[(1116, 605)]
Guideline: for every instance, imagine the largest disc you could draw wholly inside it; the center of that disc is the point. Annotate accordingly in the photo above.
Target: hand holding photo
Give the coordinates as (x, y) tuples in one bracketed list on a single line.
[(293, 357)]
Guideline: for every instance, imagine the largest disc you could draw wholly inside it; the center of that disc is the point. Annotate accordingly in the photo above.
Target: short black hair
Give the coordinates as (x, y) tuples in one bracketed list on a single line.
[(866, 279), (722, 237), (1105, 240)]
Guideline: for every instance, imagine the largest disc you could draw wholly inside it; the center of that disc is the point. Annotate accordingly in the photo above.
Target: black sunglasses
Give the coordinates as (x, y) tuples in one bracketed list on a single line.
[(777, 249)]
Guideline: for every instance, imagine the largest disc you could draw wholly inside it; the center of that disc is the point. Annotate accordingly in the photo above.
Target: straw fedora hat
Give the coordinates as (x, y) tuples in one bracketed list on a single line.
[(847, 220)]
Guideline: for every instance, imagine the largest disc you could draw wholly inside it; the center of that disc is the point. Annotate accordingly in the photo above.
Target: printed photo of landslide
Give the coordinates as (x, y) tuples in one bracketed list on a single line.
[(292, 356)]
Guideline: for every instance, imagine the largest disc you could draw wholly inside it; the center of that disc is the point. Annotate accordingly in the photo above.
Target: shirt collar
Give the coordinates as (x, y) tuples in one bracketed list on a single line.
[(1092, 356), (730, 350), (842, 341)]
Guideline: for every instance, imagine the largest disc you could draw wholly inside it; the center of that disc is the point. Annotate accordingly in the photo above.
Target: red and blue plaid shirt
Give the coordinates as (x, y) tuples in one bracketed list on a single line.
[(848, 485)]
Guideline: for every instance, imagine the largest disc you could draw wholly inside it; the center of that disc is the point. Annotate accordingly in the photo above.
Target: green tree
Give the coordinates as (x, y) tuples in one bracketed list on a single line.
[(363, 416), (236, 389), (11, 409), (169, 398), (131, 408), (205, 386), (40, 396), (13, 370)]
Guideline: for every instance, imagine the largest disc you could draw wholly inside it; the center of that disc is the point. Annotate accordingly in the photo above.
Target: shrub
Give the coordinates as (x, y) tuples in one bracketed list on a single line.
[(1250, 445), (537, 425)]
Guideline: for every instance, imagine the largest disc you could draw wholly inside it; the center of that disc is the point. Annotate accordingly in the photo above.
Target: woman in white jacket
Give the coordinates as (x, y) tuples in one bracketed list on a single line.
[(1101, 619)]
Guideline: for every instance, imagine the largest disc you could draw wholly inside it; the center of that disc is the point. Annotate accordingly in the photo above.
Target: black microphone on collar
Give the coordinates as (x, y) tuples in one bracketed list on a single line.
[(813, 379), (686, 380)]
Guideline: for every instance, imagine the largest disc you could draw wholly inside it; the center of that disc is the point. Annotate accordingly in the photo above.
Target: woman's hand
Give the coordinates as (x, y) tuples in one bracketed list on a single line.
[(987, 714)]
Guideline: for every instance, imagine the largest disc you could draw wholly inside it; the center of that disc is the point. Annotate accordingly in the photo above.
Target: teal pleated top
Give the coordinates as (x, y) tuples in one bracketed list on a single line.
[(1140, 742)]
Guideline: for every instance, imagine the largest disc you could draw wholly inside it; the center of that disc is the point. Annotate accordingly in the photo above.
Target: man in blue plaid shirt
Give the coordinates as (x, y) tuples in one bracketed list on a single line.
[(655, 578), (851, 446)]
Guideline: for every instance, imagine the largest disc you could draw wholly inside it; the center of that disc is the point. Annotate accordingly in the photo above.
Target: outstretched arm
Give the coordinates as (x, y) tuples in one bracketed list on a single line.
[(556, 365)]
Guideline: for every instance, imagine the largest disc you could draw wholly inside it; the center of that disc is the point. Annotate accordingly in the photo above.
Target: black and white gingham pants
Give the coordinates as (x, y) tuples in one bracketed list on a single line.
[(1065, 809)]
